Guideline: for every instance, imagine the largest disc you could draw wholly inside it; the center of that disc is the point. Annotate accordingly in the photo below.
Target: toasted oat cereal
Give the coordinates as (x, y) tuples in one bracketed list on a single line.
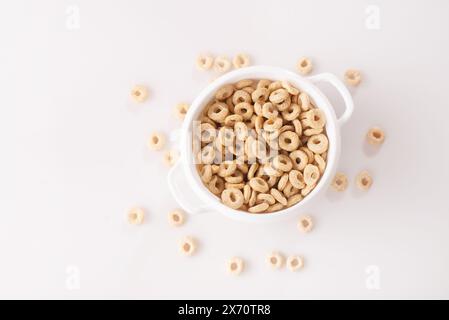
[(294, 263), (353, 77), (364, 180), (222, 64), (156, 141), (136, 216), (176, 217), (375, 135), (235, 266), (305, 224), (275, 260), (139, 93), (233, 198), (188, 246), (304, 65), (261, 207), (170, 157), (204, 62), (240, 61), (181, 110), (340, 182)]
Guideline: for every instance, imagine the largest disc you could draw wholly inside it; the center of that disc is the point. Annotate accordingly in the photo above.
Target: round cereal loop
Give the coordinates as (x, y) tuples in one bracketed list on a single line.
[(298, 127), (311, 174), (304, 65), (258, 184), (233, 198), (227, 168), (290, 89), (261, 207), (250, 90), (258, 109), (319, 161), (239, 186), (207, 155), (304, 101), (226, 136), (241, 130), (265, 197), (295, 263), (278, 196), (272, 180), (216, 185), (252, 170), (206, 119), (292, 112), (235, 177), (260, 95), (279, 96), (318, 143), (224, 92), (270, 137), (221, 64), (310, 154), (242, 166), (136, 216), (288, 141), (139, 93), (375, 136), (208, 133), (218, 112), (181, 110), (232, 119), (170, 157), (204, 62), (307, 189), (215, 168), (294, 199), (270, 171), (353, 77), (246, 193), (206, 173), (272, 124), (289, 190), (275, 207), (235, 266), (305, 224), (275, 260), (316, 118), (340, 182), (176, 217), (311, 132), (364, 180), (282, 162), (244, 83), (241, 96), (263, 83), (274, 86), (252, 198), (283, 182), (269, 110), (287, 127), (244, 109), (156, 141), (299, 159), (296, 179), (188, 246), (240, 61), (285, 104)]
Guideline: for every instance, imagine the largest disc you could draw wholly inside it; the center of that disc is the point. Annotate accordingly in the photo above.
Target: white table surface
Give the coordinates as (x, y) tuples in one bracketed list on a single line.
[(75, 159)]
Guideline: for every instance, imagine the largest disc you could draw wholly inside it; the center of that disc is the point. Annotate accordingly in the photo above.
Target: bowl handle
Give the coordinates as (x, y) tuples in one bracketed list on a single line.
[(182, 192), (341, 88)]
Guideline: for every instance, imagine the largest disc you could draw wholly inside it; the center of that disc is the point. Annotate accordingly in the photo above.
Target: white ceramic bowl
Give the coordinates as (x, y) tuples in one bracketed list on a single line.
[(183, 179)]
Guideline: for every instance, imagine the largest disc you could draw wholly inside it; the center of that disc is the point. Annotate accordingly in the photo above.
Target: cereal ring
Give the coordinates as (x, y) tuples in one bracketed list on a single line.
[(216, 185), (296, 179), (208, 133), (319, 161), (307, 189), (283, 182), (311, 174), (278, 196), (136, 216), (272, 124), (311, 132), (252, 170), (206, 173), (353, 77), (139, 93), (288, 140), (241, 96), (263, 83), (246, 193), (298, 127), (260, 95), (250, 90), (226, 136), (318, 143), (292, 112), (309, 153), (215, 168), (375, 136), (232, 119), (240, 61), (224, 92), (290, 190), (170, 157), (156, 141), (285, 104), (290, 89), (304, 65), (258, 109), (227, 168), (218, 112), (206, 119), (235, 177), (242, 166), (244, 109), (270, 171), (241, 130), (229, 185), (282, 162), (258, 184), (222, 64), (272, 180), (294, 199), (233, 198), (316, 118), (304, 101), (294, 263), (265, 197), (250, 123), (181, 110), (204, 62), (235, 266), (275, 207), (207, 155), (279, 96), (340, 182), (188, 246), (176, 217), (274, 86), (261, 207), (275, 260), (269, 110), (364, 180), (305, 224), (252, 198), (244, 83)]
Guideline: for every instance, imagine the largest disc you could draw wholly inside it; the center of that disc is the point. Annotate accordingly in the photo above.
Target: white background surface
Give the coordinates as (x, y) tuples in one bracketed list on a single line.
[(74, 155)]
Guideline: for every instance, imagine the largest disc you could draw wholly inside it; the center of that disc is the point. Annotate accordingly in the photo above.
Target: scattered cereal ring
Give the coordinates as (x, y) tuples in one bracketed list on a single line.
[(136, 216), (181, 110), (294, 263), (156, 141), (305, 224), (304, 65), (176, 217), (258, 184), (240, 61), (222, 64), (353, 77), (233, 198), (375, 136), (235, 266), (188, 246), (340, 182), (275, 260), (364, 180), (139, 93), (170, 157), (204, 62)]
